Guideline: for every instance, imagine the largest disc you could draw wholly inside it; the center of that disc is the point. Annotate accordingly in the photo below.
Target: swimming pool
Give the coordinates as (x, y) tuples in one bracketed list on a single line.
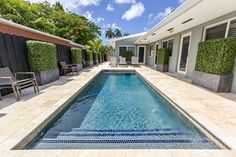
[(119, 110)]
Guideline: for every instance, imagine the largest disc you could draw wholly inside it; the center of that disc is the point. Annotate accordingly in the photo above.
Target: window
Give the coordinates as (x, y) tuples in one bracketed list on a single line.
[(216, 32), (168, 44), (223, 30), (232, 29), (151, 52), (165, 44), (129, 48)]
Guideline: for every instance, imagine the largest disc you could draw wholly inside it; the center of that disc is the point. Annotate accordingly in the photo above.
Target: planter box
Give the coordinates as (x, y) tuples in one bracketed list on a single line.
[(216, 83), (79, 67), (163, 67), (89, 63), (45, 77)]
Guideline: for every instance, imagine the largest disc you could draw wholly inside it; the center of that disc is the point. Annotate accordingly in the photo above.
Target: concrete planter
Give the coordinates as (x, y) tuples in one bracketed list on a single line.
[(79, 66), (163, 67), (216, 83), (45, 77), (89, 63)]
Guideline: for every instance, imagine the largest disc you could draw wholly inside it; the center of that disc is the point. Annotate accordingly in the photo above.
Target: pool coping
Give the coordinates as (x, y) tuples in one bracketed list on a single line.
[(59, 105)]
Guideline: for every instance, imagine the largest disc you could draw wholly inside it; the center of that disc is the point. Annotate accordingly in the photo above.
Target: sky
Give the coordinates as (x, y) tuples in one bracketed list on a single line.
[(130, 16)]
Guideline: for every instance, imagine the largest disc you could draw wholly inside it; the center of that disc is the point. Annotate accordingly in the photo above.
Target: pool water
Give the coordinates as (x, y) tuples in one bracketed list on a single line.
[(120, 111)]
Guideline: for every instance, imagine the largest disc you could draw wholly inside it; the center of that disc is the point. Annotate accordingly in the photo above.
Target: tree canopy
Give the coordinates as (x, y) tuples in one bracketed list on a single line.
[(49, 18)]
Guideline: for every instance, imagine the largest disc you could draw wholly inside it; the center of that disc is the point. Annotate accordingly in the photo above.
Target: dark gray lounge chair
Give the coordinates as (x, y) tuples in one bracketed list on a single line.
[(69, 67), (9, 81)]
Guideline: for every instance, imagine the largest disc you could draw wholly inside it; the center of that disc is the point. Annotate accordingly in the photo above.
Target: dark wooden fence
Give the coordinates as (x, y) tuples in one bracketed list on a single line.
[(13, 54)]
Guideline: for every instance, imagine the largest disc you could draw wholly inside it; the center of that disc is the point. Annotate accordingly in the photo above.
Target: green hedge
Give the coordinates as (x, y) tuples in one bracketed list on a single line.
[(163, 55), (89, 56), (76, 55), (216, 56), (42, 56), (127, 55)]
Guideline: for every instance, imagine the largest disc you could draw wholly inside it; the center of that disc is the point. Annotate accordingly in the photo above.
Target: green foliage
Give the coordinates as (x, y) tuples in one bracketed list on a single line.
[(76, 55), (94, 45), (42, 56), (51, 19), (163, 56), (216, 56), (95, 56), (127, 55), (89, 55)]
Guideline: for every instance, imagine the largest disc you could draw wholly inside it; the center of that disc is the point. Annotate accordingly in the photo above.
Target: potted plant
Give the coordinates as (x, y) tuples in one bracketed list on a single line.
[(76, 57), (163, 59), (43, 61), (214, 64)]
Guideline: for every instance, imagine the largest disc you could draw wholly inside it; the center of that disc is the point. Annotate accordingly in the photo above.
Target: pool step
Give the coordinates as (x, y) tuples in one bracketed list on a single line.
[(95, 139)]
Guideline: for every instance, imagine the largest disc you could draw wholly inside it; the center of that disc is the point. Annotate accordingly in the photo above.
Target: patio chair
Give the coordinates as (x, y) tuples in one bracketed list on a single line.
[(69, 67), (134, 61), (113, 62), (123, 61), (9, 81)]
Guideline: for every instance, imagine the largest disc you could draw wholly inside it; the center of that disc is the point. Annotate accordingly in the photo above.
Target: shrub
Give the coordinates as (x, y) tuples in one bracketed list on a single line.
[(163, 56), (89, 56), (127, 55), (216, 56), (42, 56), (76, 55)]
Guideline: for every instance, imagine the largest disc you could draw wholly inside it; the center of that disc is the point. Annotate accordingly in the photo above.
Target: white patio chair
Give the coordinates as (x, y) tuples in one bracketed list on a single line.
[(113, 62), (134, 61), (123, 61)]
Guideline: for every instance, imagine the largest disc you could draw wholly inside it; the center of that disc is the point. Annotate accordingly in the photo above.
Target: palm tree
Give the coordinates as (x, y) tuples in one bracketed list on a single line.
[(109, 33), (125, 34), (118, 33), (94, 45)]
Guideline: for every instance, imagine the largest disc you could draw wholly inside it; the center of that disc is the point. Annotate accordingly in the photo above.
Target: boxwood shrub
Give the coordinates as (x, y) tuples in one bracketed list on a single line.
[(89, 56), (163, 56), (216, 56), (76, 55), (127, 55), (42, 56)]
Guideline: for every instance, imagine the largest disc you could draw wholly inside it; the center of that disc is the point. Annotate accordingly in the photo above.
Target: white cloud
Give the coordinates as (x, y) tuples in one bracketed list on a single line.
[(110, 7), (89, 16), (125, 1), (71, 4), (113, 26), (136, 10), (159, 16)]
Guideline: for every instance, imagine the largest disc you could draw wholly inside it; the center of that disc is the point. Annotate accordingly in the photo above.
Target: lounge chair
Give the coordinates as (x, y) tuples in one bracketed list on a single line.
[(9, 81), (134, 61), (123, 61), (69, 67), (113, 62)]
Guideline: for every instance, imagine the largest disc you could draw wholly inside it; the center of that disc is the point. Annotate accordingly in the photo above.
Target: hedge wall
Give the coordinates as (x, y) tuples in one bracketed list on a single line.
[(76, 55), (163, 55), (89, 56), (216, 56), (42, 56), (127, 55)]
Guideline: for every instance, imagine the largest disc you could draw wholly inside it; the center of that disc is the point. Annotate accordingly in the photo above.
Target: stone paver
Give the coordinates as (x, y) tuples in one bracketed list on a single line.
[(214, 112)]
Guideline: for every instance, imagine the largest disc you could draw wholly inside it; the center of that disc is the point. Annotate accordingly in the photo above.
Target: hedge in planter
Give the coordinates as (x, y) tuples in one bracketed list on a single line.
[(163, 56), (42, 60), (215, 63), (76, 57), (127, 55), (89, 58), (216, 56)]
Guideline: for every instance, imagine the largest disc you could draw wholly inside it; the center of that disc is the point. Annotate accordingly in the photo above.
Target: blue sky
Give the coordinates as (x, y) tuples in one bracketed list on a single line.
[(131, 16)]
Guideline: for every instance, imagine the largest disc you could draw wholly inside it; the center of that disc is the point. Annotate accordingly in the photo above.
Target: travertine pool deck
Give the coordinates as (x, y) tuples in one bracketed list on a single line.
[(214, 112)]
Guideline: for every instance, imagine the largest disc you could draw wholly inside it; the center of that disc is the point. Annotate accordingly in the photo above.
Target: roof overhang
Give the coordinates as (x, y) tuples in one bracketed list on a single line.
[(20, 30), (112, 42), (190, 14)]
